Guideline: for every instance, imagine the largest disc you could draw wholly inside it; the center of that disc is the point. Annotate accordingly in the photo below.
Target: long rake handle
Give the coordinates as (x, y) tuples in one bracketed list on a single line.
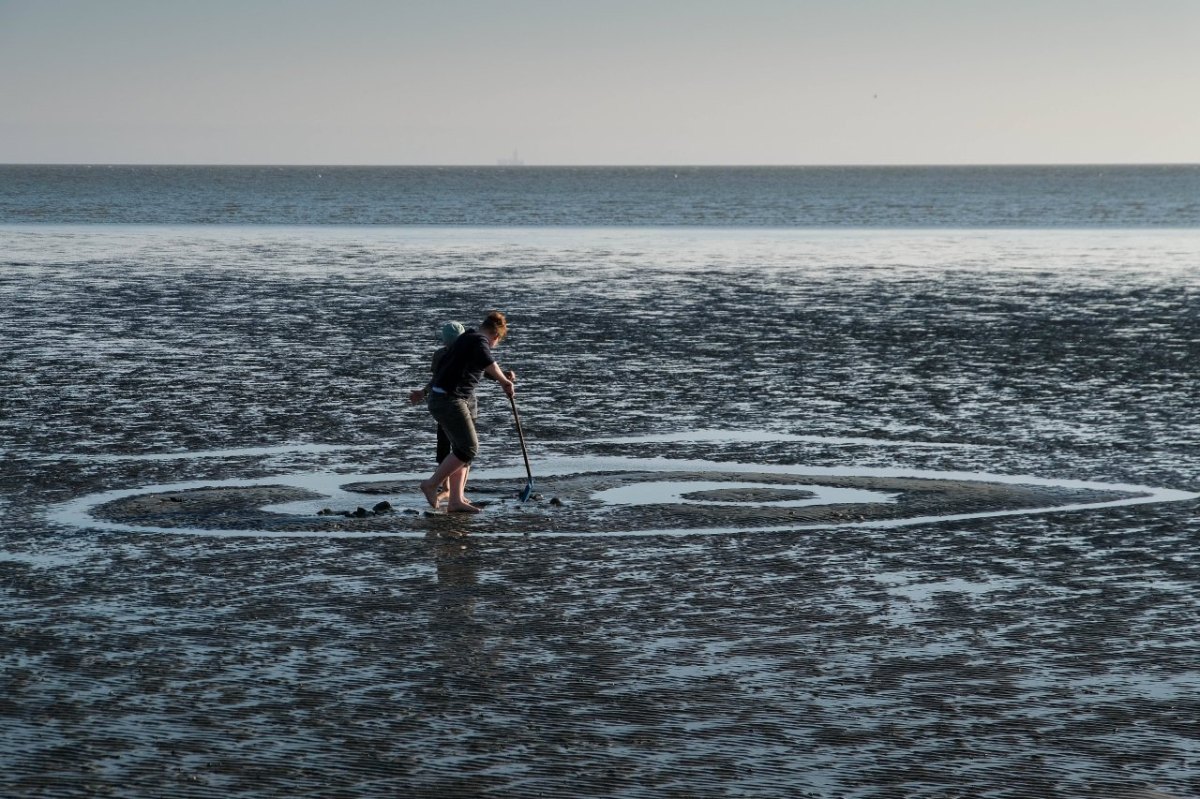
[(521, 435)]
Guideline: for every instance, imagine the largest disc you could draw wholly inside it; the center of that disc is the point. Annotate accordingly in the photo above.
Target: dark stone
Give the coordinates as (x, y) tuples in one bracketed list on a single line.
[(361, 513), (383, 507), (325, 512), (556, 502)]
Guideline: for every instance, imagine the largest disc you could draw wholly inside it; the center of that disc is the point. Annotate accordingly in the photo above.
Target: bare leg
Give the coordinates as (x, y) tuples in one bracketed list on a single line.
[(446, 470), (458, 486)]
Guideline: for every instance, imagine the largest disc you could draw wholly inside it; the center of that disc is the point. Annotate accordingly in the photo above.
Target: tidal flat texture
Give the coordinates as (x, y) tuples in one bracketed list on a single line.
[(1035, 654)]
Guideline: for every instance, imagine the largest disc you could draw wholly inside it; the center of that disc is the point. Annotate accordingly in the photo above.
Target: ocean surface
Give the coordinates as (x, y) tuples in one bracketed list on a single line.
[(887, 197), (163, 328)]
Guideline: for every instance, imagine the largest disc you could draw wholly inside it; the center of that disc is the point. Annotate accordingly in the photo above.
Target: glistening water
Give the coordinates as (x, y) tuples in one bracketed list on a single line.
[(1050, 654)]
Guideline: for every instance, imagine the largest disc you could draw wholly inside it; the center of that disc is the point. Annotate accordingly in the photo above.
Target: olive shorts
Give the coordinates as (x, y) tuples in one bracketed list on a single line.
[(454, 417)]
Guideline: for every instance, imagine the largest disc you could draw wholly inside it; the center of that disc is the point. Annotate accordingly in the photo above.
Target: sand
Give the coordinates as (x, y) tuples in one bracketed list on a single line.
[(974, 637)]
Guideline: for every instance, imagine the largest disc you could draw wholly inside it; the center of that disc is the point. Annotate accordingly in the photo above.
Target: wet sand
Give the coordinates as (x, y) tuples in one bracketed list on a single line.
[(1048, 654), (1010, 653), (772, 501)]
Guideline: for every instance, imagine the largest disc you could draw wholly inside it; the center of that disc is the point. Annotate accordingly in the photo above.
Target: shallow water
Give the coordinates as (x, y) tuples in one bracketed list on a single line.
[(1007, 656)]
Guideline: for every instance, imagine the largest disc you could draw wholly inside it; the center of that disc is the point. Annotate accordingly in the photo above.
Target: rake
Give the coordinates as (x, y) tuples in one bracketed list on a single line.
[(526, 492)]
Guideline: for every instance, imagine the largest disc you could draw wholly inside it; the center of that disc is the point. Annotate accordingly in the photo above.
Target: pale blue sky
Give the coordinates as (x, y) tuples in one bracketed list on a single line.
[(613, 82)]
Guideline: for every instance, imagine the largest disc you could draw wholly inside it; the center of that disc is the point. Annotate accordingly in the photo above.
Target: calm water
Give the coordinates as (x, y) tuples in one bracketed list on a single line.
[(888, 197)]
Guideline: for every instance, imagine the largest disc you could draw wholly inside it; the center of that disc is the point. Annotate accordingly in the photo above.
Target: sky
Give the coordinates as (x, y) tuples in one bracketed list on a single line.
[(602, 82)]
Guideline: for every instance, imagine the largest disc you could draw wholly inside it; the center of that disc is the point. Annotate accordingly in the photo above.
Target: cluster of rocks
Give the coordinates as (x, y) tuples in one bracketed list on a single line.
[(384, 508), (380, 509)]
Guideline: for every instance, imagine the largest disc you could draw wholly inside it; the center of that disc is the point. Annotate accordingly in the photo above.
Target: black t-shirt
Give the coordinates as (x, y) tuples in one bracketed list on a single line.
[(462, 367)]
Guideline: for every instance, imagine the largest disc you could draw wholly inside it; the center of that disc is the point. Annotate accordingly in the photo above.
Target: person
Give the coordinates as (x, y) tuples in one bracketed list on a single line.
[(449, 332), (450, 395)]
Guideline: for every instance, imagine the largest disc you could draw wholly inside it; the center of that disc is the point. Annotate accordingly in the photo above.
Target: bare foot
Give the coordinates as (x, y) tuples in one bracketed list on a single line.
[(431, 493), (463, 507), (443, 496)]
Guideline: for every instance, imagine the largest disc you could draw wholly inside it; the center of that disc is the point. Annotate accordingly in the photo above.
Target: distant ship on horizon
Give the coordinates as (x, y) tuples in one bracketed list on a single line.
[(514, 161)]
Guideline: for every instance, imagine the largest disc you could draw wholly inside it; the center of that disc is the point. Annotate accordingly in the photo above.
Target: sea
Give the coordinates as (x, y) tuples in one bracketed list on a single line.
[(190, 328), (1109, 196)]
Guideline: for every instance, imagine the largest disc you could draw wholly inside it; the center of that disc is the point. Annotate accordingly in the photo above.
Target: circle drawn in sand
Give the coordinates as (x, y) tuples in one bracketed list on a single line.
[(697, 492), (604, 496)]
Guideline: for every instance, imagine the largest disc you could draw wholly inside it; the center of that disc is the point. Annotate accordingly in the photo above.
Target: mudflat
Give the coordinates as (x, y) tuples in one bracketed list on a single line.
[(660, 501), (1010, 611)]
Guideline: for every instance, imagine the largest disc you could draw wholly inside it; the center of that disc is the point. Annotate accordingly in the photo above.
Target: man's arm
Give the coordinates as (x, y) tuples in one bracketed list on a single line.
[(494, 371)]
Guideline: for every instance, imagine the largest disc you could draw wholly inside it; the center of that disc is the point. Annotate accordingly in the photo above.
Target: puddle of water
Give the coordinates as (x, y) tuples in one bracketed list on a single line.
[(242, 452), (762, 437), (40, 560), (677, 492), (922, 592)]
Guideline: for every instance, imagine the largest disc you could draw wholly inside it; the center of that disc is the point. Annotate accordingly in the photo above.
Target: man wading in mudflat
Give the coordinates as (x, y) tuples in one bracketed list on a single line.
[(464, 365)]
